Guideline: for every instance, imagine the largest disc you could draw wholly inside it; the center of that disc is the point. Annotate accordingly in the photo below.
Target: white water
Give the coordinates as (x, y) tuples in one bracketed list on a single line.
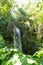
[(17, 38)]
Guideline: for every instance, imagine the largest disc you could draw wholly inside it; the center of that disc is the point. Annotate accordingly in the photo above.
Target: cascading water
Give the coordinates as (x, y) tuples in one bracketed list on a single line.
[(17, 38)]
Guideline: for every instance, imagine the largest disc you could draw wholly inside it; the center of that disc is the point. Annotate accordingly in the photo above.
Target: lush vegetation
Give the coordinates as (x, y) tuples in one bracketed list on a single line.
[(29, 19), (15, 57)]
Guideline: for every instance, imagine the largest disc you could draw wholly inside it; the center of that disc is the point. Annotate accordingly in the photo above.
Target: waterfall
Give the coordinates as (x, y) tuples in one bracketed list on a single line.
[(17, 38)]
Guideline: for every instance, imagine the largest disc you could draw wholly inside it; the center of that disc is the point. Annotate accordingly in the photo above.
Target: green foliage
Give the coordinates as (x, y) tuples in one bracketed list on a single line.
[(2, 42), (5, 17), (14, 56), (38, 56), (5, 14), (5, 7)]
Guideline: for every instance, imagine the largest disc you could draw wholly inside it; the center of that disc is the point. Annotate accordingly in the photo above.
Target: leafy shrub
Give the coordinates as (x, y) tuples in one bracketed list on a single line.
[(38, 56), (2, 42), (15, 57)]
